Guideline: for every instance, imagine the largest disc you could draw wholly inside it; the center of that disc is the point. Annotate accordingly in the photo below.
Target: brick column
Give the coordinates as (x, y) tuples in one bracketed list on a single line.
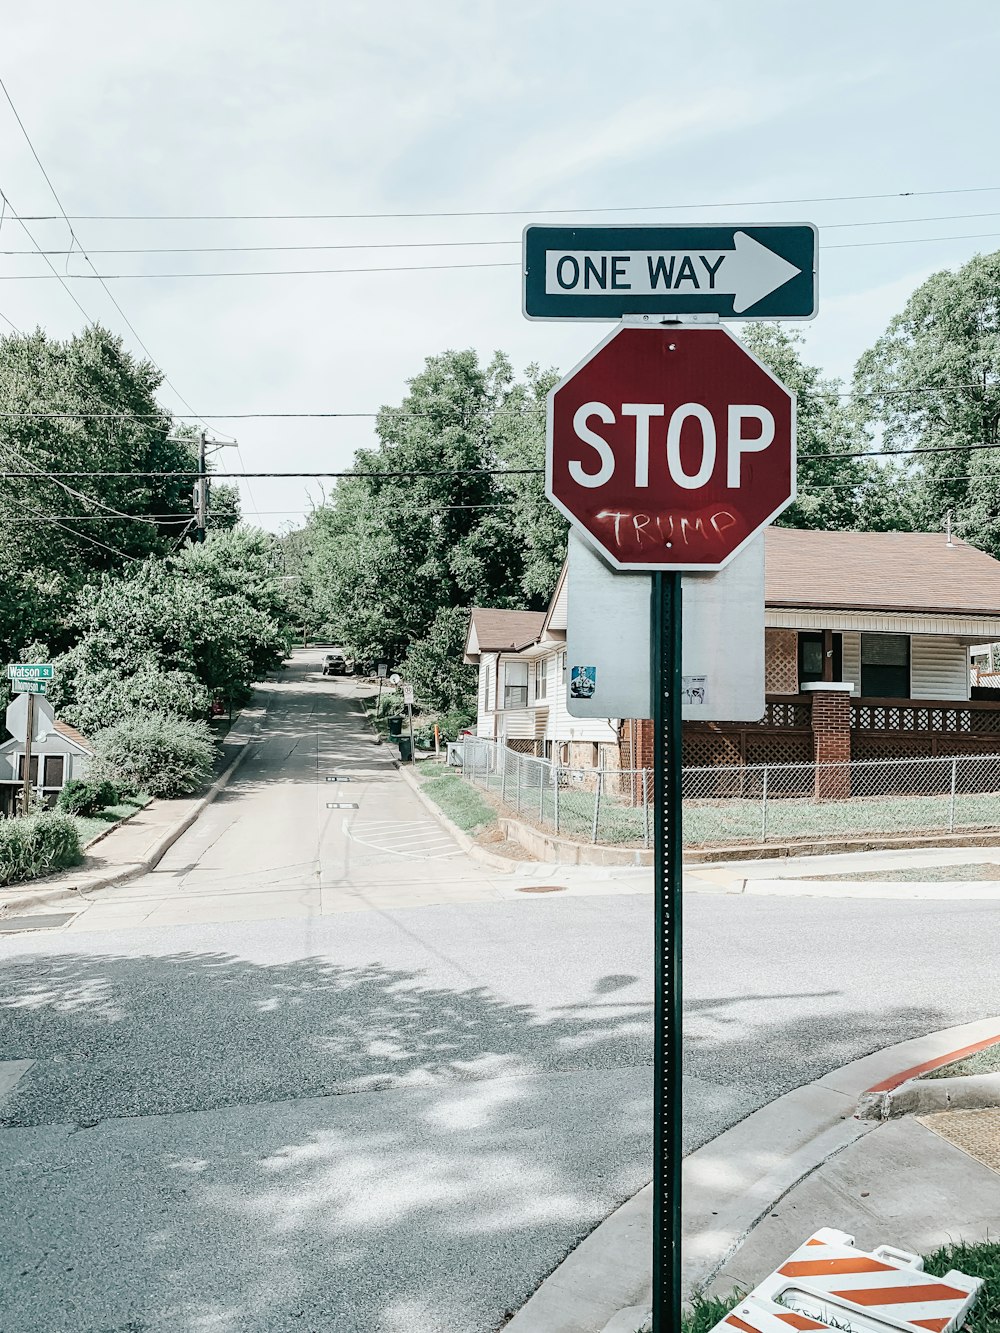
[(831, 728)]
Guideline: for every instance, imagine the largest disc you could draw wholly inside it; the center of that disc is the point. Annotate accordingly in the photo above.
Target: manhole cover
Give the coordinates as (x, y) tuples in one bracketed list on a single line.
[(542, 888), (46, 921)]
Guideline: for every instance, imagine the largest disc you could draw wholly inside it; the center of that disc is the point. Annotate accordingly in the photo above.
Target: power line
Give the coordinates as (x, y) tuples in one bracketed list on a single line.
[(414, 268), (483, 471), (434, 245), (509, 212), (77, 242)]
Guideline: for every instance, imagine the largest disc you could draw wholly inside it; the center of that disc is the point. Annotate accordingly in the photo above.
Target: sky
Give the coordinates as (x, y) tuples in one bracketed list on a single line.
[(715, 111)]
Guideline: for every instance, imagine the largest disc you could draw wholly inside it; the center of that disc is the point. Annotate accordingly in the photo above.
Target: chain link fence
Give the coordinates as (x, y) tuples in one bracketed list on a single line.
[(755, 803)]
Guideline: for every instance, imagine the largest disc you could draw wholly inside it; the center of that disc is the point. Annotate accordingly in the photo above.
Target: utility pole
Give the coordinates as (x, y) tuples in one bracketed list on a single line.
[(201, 507)]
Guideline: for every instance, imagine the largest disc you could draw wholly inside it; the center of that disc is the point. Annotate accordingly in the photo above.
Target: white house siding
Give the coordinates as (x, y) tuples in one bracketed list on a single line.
[(939, 668)]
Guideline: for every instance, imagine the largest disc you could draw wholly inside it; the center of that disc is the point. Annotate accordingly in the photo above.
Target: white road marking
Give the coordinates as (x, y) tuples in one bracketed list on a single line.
[(415, 840)]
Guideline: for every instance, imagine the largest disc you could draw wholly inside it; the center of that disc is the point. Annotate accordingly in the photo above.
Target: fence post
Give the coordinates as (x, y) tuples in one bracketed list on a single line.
[(951, 813), (503, 779), (645, 805), (541, 792), (763, 810), (555, 800), (597, 804), (517, 784)]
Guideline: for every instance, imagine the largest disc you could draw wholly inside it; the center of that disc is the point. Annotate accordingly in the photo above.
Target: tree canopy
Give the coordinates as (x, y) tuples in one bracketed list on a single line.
[(933, 381)]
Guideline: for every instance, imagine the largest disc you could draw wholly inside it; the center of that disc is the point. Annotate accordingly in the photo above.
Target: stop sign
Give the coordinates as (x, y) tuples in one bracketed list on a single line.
[(669, 448)]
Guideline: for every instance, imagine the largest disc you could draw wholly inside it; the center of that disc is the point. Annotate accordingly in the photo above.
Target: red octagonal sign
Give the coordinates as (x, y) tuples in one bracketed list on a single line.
[(669, 448)]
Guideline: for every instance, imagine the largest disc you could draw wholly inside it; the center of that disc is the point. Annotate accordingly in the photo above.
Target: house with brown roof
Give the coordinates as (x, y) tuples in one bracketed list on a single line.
[(521, 656), (58, 756), (867, 643)]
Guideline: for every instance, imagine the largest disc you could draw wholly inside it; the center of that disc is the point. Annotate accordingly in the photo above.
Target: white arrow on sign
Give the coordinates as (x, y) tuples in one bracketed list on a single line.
[(748, 272)]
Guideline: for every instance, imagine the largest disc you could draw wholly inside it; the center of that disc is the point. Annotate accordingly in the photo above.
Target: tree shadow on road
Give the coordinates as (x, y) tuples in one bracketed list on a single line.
[(363, 1151)]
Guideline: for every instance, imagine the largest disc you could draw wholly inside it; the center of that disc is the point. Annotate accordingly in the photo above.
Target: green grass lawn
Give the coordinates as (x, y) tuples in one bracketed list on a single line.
[(460, 801), (975, 1260), (91, 825)]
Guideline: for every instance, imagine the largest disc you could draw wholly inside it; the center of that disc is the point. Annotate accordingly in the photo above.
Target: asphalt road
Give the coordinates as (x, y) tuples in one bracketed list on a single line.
[(392, 1119)]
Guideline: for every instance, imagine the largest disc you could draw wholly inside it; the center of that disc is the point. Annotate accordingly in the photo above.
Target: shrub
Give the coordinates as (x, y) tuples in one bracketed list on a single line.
[(163, 756), (391, 704), (79, 797), (37, 845)]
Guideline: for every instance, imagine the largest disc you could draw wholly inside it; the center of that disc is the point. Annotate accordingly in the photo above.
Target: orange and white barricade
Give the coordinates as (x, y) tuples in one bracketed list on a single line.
[(828, 1283)]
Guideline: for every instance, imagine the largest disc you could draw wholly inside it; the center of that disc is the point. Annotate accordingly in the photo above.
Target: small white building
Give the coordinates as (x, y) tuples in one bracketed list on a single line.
[(521, 657), (63, 754)]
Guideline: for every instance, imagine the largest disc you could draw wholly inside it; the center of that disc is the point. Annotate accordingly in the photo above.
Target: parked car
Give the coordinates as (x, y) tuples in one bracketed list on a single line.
[(334, 664)]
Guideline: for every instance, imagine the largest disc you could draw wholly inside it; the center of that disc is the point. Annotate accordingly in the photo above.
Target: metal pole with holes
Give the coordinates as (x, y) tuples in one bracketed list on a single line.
[(597, 806), (667, 869)]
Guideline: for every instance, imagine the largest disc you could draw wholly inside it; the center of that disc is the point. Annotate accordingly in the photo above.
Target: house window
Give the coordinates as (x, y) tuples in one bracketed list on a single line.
[(33, 775), (541, 680), (595, 755), (885, 666), (55, 769), (812, 654), (515, 689)]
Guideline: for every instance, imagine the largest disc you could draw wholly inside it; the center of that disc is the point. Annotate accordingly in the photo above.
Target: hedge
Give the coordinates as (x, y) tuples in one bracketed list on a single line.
[(163, 756), (37, 845)]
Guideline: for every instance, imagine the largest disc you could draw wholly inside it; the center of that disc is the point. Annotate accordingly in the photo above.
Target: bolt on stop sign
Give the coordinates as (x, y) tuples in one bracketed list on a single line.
[(669, 448)]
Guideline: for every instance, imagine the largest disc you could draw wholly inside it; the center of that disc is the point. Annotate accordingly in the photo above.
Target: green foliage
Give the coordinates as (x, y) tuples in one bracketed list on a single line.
[(37, 845), (448, 725), (829, 489), (80, 797), (168, 636), (390, 704), (164, 756), (933, 379), (42, 565), (434, 663), (386, 555)]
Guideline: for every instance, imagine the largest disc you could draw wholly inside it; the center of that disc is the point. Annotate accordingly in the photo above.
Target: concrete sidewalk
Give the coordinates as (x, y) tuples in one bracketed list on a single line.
[(132, 848), (755, 1193)]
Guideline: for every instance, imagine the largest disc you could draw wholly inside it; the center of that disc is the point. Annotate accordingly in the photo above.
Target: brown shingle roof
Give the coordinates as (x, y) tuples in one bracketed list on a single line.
[(880, 571), (71, 734), (505, 631)]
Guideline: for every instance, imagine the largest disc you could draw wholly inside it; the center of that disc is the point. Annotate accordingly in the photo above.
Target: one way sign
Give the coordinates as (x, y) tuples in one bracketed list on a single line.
[(601, 273)]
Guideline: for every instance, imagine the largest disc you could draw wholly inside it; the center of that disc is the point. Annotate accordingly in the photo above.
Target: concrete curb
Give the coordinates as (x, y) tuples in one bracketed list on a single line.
[(966, 1092), (909, 1090), (129, 870), (730, 1185), (768, 851)]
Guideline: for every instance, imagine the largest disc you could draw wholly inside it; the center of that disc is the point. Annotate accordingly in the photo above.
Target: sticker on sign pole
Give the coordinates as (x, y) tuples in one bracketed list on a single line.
[(582, 682)]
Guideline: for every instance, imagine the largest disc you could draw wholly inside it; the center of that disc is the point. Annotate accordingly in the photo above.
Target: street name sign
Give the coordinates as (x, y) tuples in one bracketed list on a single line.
[(20, 686), (734, 272), (670, 448), (30, 671)]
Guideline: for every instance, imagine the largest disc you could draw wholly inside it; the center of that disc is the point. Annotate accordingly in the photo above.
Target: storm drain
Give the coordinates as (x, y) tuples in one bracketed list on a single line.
[(542, 888), (45, 921)]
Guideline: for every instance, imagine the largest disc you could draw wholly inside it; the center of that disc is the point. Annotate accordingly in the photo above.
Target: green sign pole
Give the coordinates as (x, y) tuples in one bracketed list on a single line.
[(668, 1143)]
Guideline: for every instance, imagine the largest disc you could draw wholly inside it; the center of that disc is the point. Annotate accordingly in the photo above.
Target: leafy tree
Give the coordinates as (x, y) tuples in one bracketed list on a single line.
[(829, 489), (80, 405), (933, 380), (434, 663), (386, 554), (170, 635)]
